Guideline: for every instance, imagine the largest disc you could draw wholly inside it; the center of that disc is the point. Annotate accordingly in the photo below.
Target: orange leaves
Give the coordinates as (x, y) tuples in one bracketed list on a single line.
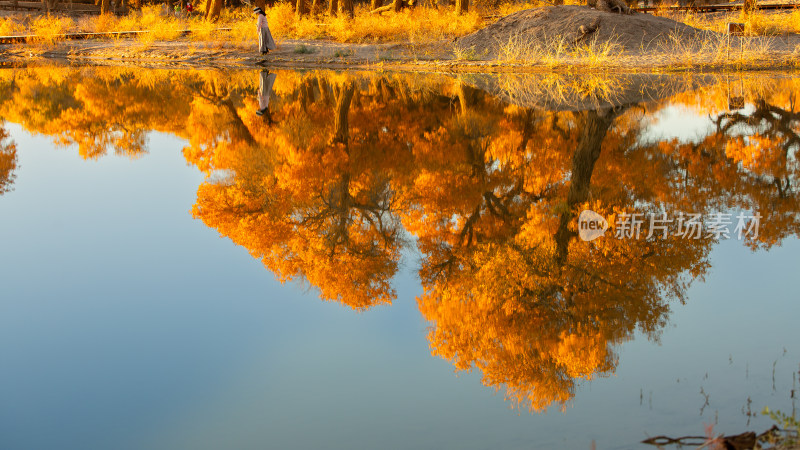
[(584, 355), (310, 205), (8, 162), (531, 306), (759, 154), (489, 194)]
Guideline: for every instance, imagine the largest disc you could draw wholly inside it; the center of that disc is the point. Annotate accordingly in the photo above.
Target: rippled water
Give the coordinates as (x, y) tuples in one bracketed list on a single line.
[(438, 290)]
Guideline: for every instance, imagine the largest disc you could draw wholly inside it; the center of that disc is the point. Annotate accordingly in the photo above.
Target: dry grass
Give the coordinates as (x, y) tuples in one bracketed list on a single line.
[(10, 27), (47, 28), (506, 9), (762, 24), (594, 52), (466, 54), (421, 25), (414, 26), (525, 49), (676, 51), (759, 23), (557, 50), (719, 49)]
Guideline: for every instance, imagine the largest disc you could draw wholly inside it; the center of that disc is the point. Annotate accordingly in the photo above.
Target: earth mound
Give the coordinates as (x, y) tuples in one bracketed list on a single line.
[(571, 25)]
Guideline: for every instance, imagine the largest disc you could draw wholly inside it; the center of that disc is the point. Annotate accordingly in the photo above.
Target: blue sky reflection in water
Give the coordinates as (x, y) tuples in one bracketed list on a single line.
[(126, 323)]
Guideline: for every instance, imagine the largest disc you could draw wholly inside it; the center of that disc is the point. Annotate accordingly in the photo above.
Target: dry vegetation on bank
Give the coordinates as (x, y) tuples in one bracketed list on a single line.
[(416, 25), (237, 26), (431, 29), (759, 23), (716, 52), (554, 36)]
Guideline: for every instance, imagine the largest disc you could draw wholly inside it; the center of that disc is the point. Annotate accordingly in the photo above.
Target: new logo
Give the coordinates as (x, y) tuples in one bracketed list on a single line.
[(591, 225)]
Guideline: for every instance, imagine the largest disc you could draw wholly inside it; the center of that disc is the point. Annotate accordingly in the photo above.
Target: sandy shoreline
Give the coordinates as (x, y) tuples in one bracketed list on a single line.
[(436, 56)]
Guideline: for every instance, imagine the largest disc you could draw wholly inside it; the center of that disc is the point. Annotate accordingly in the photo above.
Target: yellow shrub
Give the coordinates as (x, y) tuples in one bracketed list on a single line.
[(414, 25), (203, 30), (281, 20), (161, 27), (761, 24), (758, 23), (242, 24), (103, 23), (10, 27), (128, 22), (47, 28), (242, 33)]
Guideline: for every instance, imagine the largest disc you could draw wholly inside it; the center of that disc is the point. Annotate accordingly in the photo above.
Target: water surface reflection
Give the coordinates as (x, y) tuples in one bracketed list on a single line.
[(339, 174)]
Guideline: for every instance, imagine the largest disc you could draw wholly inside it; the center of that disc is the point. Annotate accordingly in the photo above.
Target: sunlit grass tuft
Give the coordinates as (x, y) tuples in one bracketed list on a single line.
[(48, 28), (466, 54), (103, 23), (595, 53), (719, 49), (281, 20), (161, 27), (10, 27), (557, 50), (521, 48), (762, 24)]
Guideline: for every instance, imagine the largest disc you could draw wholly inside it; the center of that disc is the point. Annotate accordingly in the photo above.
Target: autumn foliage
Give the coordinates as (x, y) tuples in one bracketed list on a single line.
[(8, 162), (345, 173)]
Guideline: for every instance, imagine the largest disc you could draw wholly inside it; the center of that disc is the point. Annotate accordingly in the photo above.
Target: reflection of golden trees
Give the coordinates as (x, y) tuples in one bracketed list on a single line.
[(490, 192), (765, 143), (97, 114), (322, 203), (8, 162), (510, 289), (748, 161)]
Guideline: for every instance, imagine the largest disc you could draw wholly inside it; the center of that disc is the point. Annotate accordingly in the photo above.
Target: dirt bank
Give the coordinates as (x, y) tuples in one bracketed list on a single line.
[(544, 39), (574, 25)]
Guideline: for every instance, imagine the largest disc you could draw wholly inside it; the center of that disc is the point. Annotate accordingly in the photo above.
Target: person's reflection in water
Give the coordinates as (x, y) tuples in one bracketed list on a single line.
[(264, 93)]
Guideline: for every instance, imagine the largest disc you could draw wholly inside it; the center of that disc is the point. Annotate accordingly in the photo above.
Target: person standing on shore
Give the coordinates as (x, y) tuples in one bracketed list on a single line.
[(265, 41)]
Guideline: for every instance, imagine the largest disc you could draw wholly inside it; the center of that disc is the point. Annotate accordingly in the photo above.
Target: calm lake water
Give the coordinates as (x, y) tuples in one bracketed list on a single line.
[(423, 225)]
